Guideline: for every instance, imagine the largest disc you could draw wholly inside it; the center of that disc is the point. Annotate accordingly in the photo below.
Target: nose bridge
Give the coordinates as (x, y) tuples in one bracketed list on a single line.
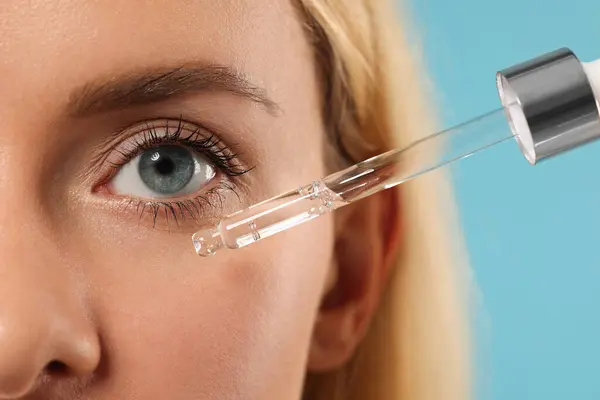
[(24, 227), (24, 169), (21, 158), (31, 256)]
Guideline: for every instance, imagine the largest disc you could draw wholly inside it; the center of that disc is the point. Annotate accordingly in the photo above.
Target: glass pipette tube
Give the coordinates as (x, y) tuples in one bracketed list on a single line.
[(382, 172)]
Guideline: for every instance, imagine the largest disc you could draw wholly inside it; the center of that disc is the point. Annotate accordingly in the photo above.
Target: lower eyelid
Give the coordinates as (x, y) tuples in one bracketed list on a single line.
[(184, 214)]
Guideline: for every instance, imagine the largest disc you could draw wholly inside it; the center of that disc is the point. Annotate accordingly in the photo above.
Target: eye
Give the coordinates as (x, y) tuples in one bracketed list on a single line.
[(163, 171), (172, 169)]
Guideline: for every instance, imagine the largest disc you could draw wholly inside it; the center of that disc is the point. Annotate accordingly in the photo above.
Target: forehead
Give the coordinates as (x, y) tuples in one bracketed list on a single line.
[(62, 40)]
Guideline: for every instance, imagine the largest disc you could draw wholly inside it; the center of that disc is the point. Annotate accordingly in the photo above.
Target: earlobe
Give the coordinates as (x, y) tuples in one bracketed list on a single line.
[(366, 242)]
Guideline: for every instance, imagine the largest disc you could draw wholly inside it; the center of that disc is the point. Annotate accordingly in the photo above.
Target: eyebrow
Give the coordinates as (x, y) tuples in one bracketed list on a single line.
[(154, 86)]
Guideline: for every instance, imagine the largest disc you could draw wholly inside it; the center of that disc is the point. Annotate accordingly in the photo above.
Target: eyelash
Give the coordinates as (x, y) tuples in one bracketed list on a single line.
[(221, 156)]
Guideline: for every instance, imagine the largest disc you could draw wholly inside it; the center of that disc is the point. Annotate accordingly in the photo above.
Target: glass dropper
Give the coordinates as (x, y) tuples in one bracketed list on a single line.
[(352, 184), (548, 106)]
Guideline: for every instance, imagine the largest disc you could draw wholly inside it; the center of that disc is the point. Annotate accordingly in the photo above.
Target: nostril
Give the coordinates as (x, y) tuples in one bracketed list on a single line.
[(56, 368)]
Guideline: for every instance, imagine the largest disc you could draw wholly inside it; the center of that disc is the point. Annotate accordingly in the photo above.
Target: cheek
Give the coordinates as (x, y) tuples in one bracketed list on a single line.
[(214, 327)]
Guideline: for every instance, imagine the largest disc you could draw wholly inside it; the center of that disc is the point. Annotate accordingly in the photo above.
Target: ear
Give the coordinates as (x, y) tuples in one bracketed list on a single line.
[(367, 240)]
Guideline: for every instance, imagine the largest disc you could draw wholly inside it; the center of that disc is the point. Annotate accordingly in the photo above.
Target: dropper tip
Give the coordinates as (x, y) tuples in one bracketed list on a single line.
[(207, 242)]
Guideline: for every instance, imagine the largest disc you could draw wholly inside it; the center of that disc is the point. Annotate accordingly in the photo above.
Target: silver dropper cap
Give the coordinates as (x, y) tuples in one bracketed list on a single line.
[(550, 104)]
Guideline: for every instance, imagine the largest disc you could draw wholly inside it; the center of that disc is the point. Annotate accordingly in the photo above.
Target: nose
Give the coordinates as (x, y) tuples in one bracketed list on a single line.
[(45, 331), (40, 338)]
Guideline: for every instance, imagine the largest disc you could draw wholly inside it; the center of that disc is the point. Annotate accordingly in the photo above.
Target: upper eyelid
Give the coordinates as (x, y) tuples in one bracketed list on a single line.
[(160, 127), (124, 133), (174, 131), (130, 129)]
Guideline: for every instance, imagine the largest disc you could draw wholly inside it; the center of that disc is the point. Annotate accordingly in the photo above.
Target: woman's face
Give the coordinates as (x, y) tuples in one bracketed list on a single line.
[(126, 127)]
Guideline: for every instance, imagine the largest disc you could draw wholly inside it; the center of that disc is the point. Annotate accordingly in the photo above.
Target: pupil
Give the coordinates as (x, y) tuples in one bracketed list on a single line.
[(165, 166), (167, 169)]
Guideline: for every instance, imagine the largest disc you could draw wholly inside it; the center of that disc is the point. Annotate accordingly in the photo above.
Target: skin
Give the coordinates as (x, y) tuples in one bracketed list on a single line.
[(100, 302)]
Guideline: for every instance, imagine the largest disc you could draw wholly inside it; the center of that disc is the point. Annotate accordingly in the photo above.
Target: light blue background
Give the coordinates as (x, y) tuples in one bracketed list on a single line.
[(532, 232)]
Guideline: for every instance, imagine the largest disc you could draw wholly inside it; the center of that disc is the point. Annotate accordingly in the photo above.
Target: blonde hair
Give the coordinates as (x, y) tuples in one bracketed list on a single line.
[(417, 347)]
